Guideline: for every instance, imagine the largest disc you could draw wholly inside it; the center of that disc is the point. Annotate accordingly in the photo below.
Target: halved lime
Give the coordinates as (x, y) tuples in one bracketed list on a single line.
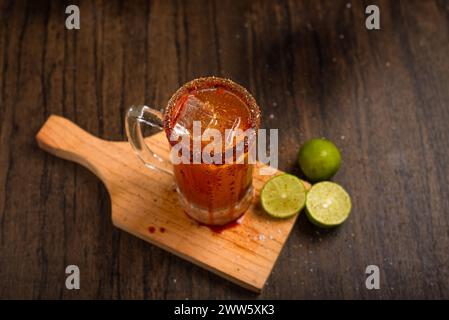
[(283, 196), (328, 204)]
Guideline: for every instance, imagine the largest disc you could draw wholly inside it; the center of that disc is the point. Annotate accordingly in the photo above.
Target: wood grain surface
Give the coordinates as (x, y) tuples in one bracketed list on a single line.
[(314, 69)]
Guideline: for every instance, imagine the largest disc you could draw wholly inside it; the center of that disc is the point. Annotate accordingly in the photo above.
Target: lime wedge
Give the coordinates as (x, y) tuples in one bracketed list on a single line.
[(283, 196), (327, 205)]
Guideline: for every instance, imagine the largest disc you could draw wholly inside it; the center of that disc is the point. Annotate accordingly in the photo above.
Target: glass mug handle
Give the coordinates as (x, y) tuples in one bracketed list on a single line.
[(136, 116)]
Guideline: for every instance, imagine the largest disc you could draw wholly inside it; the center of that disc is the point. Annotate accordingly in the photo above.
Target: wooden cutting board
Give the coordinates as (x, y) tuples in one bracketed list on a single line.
[(145, 204)]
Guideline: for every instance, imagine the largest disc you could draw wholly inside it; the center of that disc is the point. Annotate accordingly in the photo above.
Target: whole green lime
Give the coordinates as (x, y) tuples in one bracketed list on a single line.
[(319, 159)]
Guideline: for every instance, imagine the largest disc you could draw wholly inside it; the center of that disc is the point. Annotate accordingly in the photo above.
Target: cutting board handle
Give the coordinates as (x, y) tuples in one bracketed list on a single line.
[(62, 138)]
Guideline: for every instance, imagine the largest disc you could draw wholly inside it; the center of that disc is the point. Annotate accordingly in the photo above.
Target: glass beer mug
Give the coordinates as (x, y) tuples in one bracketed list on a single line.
[(211, 193)]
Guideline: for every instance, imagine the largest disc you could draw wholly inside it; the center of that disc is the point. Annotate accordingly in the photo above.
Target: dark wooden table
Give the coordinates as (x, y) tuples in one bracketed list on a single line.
[(382, 96)]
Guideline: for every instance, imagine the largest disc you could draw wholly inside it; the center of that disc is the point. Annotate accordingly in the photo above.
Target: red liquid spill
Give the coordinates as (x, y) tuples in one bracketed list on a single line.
[(220, 229), (162, 229), (151, 229)]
